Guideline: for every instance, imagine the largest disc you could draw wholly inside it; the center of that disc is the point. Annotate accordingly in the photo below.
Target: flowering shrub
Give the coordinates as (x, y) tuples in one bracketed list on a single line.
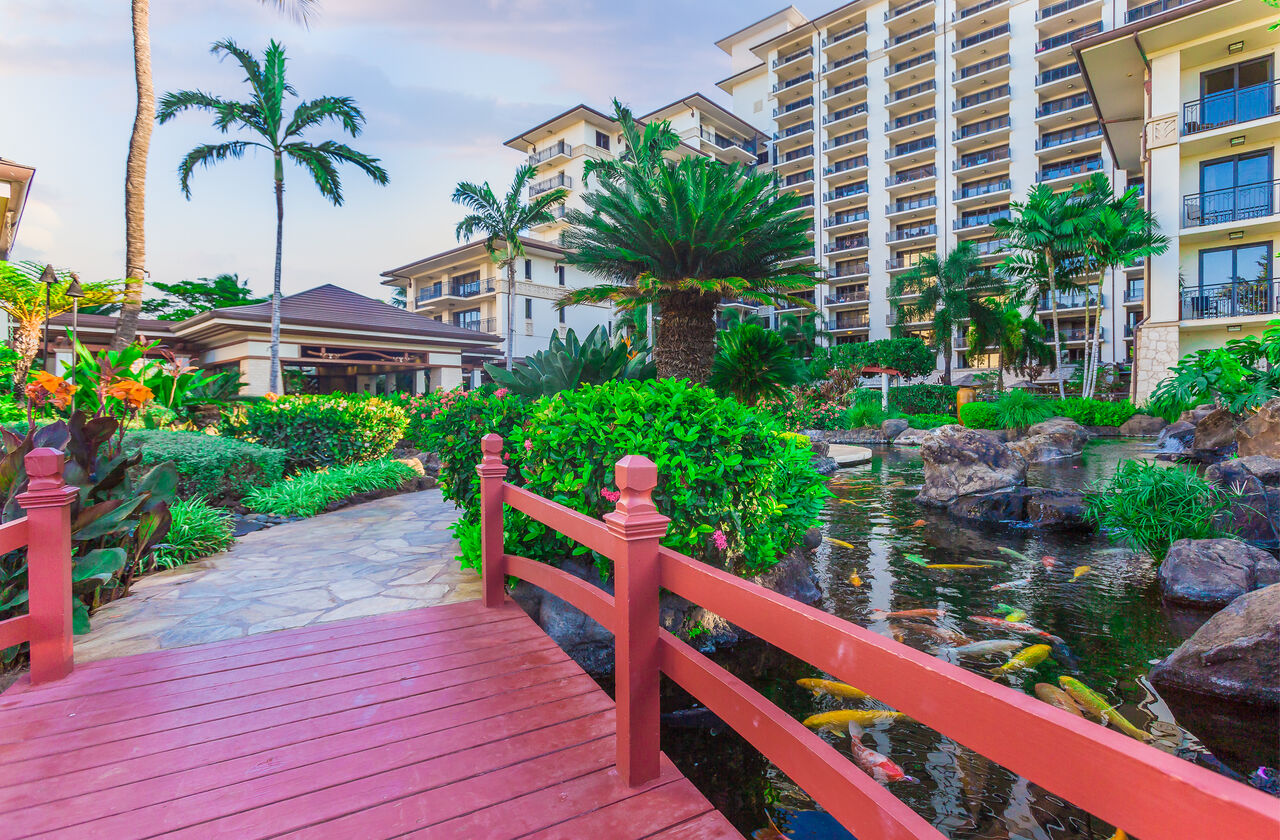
[(322, 431), (923, 398), (799, 410)]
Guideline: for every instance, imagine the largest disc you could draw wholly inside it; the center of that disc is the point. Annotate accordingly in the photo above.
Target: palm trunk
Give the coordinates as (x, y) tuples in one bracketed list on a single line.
[(26, 343), (511, 312), (135, 180), (1057, 334), (947, 351), (686, 342), (274, 386), (1000, 370), (1097, 342), (1088, 346)]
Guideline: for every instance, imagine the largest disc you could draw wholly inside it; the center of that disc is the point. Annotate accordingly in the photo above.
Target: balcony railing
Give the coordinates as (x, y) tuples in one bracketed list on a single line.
[(790, 57), (846, 243), (1055, 41), (988, 247), (849, 269), (560, 180), (1134, 293), (911, 119), (985, 188), (797, 154), (554, 150), (794, 106), (724, 142), (860, 296), (997, 92), (1060, 138), (981, 67), (911, 232), (981, 37), (845, 139), (846, 165), (1066, 103), (1148, 9), (845, 113), (846, 34), (1237, 299), (1068, 300), (798, 178), (1230, 107), (468, 289), (980, 219), (1234, 204), (923, 58), (973, 129), (909, 91), (920, 145), (903, 9), (861, 322), (973, 10), (906, 176), (930, 200), (859, 188), (1055, 74), (914, 33), (1059, 8), (980, 158), (790, 83), (798, 128), (860, 55), (1072, 167), (852, 84), (847, 218), (488, 325)]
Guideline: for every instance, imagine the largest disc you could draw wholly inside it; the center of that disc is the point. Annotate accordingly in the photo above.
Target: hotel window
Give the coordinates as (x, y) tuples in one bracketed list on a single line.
[(560, 274), (562, 316), (528, 308), (1238, 93), (1233, 189), (602, 140), (528, 269)]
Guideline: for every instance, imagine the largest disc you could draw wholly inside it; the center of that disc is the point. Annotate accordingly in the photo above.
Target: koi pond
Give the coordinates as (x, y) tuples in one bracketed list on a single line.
[(1109, 618)]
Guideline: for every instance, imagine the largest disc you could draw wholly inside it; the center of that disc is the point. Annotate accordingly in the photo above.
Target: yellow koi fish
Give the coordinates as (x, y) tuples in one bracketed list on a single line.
[(1119, 835), (1015, 615), (954, 566), (1094, 703), (1081, 570), (839, 721), (832, 688), (1025, 658), (840, 543), (855, 580), (1055, 696)]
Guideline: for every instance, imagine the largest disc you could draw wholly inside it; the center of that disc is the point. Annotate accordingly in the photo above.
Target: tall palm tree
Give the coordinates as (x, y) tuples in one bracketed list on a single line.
[(1017, 337), (803, 331), (506, 220), (1046, 240), (950, 290), (263, 118), (135, 178), (687, 236)]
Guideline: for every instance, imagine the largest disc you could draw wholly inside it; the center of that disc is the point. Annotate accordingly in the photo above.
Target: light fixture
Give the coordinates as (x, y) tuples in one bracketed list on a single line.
[(1235, 47), (1236, 234), (1238, 140)]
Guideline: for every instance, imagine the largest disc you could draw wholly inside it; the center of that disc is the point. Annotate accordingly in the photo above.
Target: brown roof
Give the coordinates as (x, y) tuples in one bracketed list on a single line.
[(146, 326), (334, 306)]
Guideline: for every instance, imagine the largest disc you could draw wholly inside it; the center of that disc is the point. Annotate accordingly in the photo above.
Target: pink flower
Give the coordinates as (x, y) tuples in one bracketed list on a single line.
[(721, 541), (611, 495), (501, 392), (528, 445)]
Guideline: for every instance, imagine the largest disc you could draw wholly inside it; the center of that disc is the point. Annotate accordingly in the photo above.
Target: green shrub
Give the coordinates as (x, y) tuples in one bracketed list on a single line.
[(979, 415), (1017, 409), (1094, 412), (210, 466), (909, 355), (323, 431), (307, 494), (924, 399), (568, 362), (931, 421), (753, 363), (863, 414), (196, 530), (1151, 507), (795, 412)]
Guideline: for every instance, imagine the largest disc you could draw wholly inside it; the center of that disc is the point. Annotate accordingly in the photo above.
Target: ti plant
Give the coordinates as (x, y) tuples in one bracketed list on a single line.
[(571, 362)]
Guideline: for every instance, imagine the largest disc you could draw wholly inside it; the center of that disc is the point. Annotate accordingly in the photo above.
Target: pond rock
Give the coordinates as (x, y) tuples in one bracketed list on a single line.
[(912, 437), (1057, 509), (1176, 438), (825, 465), (1052, 440), (1023, 506), (893, 427), (1143, 425), (1213, 573), (1198, 413), (1002, 506), (1259, 434), (1254, 514), (1215, 436), (961, 462)]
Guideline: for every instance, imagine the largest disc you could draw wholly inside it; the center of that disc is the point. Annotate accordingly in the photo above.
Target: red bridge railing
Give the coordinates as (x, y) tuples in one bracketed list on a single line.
[(1147, 792), (46, 532)]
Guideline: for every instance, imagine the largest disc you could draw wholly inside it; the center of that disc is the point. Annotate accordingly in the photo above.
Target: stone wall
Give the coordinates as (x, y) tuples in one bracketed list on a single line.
[(1156, 349)]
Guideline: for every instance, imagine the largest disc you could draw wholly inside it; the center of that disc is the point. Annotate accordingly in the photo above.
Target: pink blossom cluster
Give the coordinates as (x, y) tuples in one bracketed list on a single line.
[(611, 495)]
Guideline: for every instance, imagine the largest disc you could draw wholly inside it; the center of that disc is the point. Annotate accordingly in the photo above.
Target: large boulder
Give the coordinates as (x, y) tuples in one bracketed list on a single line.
[(1052, 440), (893, 427), (1000, 507), (1213, 573), (1176, 438), (1143, 425), (1060, 509), (1254, 482), (1259, 434), (912, 437), (1215, 437), (1023, 506), (1195, 415), (962, 462)]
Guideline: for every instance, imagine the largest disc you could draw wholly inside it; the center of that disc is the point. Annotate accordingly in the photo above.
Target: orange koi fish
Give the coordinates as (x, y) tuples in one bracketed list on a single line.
[(1015, 626), (875, 765), (924, 613)]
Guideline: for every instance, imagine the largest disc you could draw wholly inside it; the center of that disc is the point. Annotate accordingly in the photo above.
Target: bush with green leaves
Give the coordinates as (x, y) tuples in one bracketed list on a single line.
[(1239, 376), (196, 530), (570, 362), (796, 411), (863, 414), (753, 363), (309, 493), (911, 356), (322, 431), (1150, 507), (924, 398), (979, 415), (1089, 412), (1018, 409), (931, 421), (210, 466)]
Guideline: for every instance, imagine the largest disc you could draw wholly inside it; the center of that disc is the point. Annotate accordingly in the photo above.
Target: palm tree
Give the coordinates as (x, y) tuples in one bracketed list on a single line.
[(803, 331), (263, 117), (1017, 337), (950, 289), (753, 363), (688, 236), (1121, 231), (1046, 237), (644, 150), (23, 298), (135, 179), (507, 220)]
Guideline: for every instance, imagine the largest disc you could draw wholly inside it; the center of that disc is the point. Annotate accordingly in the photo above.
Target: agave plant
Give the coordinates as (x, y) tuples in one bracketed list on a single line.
[(570, 362)]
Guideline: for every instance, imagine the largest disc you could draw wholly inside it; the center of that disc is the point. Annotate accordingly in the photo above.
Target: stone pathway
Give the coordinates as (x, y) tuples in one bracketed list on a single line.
[(391, 554)]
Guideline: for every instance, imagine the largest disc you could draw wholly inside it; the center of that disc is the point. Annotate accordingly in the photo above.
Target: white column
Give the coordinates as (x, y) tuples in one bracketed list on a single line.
[(450, 377)]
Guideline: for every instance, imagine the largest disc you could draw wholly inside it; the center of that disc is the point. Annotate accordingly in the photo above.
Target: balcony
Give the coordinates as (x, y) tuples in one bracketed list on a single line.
[(1066, 138), (989, 247), (845, 87), (846, 244), (1063, 110), (1069, 169), (911, 176), (848, 191), (849, 269), (557, 214), (982, 158), (852, 58), (1072, 335), (911, 95), (849, 113), (1237, 299), (1230, 107), (859, 136), (743, 148), (1058, 8), (1234, 204), (794, 107), (911, 63), (778, 87), (486, 325), (840, 220), (783, 60), (1134, 293), (897, 41), (456, 290), (845, 35), (981, 128), (797, 133), (916, 118), (913, 147), (1058, 74), (545, 185), (1054, 42), (975, 71), (905, 234), (1150, 9), (848, 298), (985, 188), (901, 264), (906, 7), (856, 321), (923, 202), (987, 35), (1072, 299), (982, 97), (555, 150), (850, 165), (965, 14), (975, 221)]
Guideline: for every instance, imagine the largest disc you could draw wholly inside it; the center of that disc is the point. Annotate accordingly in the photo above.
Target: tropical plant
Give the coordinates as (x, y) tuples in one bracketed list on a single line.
[(801, 409), (979, 415), (753, 363), (644, 150), (23, 297), (187, 298), (1239, 376), (1046, 236), (263, 117), (948, 290), (803, 332), (212, 467), (505, 220), (196, 530), (687, 235), (1093, 412), (1150, 507), (135, 183), (929, 421), (1018, 409), (924, 398), (569, 362), (909, 356), (1017, 337), (309, 493), (323, 430)]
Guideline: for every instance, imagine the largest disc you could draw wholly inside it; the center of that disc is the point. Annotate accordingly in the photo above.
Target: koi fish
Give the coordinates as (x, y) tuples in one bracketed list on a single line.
[(986, 562), (917, 559), (1055, 696), (769, 832), (1028, 658), (1015, 626), (1094, 703), (1049, 562), (981, 649), (840, 543), (847, 501), (1011, 584), (954, 566), (1003, 609), (875, 765), (855, 580), (919, 523), (1017, 555), (1016, 616), (1081, 570), (924, 613), (1119, 835), (938, 634), (842, 718), (832, 689)]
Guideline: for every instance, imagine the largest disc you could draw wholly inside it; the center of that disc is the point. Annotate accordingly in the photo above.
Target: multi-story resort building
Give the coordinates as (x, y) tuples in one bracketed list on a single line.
[(1189, 101)]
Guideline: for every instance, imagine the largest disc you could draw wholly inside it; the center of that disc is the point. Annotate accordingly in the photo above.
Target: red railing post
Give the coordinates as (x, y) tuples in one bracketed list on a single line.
[(492, 566), (638, 526), (48, 506)]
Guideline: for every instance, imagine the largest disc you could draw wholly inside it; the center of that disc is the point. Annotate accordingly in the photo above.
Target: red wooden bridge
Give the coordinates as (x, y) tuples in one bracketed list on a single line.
[(466, 721)]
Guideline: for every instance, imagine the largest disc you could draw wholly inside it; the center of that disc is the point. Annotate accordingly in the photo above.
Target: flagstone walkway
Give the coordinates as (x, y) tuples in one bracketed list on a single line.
[(382, 556)]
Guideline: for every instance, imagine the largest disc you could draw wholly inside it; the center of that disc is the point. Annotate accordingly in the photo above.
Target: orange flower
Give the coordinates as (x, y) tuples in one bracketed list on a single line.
[(61, 389), (132, 392), (271, 396)]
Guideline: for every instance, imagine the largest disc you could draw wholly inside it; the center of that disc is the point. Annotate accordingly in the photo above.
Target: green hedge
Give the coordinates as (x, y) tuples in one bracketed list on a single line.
[(909, 355), (310, 493), (929, 421), (216, 467), (1094, 412), (924, 399), (197, 530), (324, 431), (979, 415)]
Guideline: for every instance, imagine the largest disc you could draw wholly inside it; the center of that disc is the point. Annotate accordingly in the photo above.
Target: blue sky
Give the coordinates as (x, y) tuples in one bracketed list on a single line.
[(441, 83)]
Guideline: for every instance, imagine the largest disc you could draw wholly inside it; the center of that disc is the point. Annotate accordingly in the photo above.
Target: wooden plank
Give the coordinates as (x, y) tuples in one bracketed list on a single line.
[(635, 817), (14, 534), (710, 826), (175, 718), (446, 763), (415, 654), (377, 747), (15, 631)]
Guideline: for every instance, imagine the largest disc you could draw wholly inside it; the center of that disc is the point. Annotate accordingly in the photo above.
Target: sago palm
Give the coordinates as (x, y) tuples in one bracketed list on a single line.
[(688, 236), (753, 363), (950, 290), (263, 118), (643, 150), (505, 220), (1046, 243)]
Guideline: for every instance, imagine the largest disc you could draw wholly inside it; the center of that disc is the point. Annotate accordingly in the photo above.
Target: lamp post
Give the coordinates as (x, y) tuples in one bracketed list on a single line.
[(75, 293), (48, 277)]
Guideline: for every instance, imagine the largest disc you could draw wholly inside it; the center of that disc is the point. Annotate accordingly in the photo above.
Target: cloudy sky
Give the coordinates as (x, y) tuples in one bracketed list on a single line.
[(442, 84)]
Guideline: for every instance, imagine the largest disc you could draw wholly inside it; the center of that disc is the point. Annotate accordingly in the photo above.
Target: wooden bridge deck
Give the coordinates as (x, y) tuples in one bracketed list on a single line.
[(453, 722)]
